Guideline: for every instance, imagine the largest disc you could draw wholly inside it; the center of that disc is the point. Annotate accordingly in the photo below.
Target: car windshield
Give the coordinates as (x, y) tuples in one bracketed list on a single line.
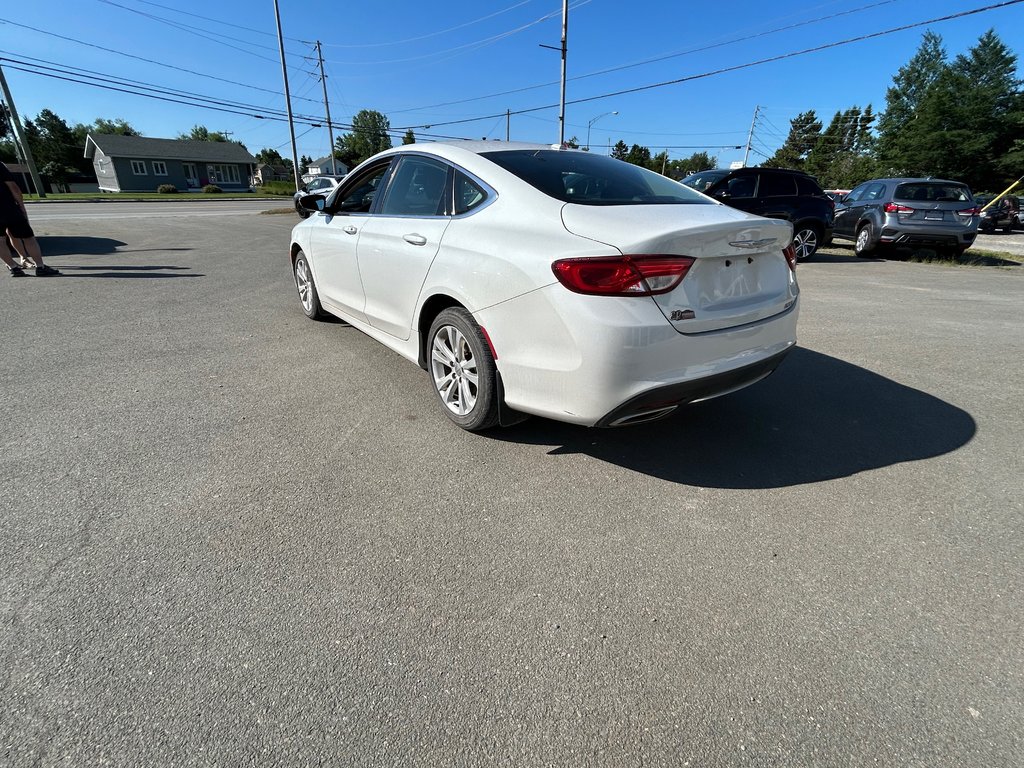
[(704, 180), (933, 192), (586, 179)]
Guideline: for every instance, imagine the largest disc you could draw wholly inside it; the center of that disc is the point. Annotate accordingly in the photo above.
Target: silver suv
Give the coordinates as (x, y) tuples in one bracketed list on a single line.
[(908, 213)]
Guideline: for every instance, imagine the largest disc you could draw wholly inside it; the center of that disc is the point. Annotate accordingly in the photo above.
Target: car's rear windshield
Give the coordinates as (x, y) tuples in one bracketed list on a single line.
[(932, 192), (586, 179), (704, 180)]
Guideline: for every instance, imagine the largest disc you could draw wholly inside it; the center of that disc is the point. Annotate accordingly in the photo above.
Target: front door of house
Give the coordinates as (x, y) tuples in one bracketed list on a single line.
[(191, 176)]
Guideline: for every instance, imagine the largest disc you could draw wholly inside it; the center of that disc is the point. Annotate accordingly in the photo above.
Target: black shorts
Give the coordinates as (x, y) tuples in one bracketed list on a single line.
[(15, 223)]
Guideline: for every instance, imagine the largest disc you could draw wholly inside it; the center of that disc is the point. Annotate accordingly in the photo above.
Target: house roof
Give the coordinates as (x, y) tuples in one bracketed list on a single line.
[(325, 162), (115, 145)]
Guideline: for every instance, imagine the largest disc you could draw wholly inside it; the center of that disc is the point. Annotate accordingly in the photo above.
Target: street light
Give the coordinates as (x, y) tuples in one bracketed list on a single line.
[(594, 121)]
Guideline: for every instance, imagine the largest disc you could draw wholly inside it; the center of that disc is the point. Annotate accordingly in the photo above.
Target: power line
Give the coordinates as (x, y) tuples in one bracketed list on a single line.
[(217, 21), (139, 58), (650, 61), (431, 34), (748, 65)]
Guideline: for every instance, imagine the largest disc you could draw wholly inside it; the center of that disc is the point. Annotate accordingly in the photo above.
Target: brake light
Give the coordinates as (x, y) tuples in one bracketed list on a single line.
[(790, 253), (896, 208), (969, 211), (637, 275)]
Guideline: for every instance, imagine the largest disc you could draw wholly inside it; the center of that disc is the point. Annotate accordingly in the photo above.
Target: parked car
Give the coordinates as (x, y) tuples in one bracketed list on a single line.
[(320, 185), (908, 213), (777, 194), (835, 195), (529, 279), (1004, 215)]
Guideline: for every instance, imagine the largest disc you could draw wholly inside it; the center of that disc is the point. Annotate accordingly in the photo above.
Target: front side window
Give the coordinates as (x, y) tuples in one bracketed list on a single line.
[(740, 186), (159, 168), (588, 179), (855, 193), (704, 180), (139, 167), (417, 189), (357, 196)]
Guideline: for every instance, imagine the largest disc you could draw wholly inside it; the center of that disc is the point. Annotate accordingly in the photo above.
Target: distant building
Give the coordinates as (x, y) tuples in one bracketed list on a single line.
[(323, 166), (141, 164), (266, 172)]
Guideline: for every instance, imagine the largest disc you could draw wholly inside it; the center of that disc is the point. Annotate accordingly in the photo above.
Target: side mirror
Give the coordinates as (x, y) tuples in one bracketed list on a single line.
[(313, 202)]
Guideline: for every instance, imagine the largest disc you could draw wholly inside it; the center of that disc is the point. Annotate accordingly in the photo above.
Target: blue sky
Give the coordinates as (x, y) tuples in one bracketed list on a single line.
[(458, 66)]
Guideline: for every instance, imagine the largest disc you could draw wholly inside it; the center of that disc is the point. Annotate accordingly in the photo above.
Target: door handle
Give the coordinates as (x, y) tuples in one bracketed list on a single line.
[(349, 230), (414, 239)]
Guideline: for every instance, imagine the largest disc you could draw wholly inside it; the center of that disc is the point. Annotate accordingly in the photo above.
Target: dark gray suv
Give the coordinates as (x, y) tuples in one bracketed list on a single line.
[(908, 213)]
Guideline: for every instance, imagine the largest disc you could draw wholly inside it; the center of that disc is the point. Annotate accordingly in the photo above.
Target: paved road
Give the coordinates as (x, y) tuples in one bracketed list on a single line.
[(57, 212), (231, 536)]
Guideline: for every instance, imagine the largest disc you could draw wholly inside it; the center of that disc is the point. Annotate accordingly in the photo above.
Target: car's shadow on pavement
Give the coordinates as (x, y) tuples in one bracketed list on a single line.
[(817, 418)]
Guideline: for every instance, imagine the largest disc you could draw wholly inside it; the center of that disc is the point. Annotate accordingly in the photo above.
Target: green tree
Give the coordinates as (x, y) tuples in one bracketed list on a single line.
[(639, 156), (53, 141), (202, 133), (620, 151), (910, 85), (843, 154), (804, 132), (409, 138), (270, 156), (304, 162), (117, 126), (368, 137), (698, 161)]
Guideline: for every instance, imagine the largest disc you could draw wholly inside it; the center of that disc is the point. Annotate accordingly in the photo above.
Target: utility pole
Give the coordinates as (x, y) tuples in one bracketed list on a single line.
[(25, 150), (327, 107), (508, 125), (288, 98), (750, 136), (565, 34)]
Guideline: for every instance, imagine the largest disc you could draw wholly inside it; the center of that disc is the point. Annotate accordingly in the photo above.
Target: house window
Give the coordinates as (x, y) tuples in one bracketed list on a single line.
[(139, 167), (223, 174), (159, 168)]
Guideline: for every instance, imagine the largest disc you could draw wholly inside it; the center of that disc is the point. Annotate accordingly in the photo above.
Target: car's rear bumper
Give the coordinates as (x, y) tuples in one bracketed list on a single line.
[(601, 361), (661, 401)]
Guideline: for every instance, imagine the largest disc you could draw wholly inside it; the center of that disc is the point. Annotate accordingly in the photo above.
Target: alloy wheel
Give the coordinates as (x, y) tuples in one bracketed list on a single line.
[(304, 284), (806, 243), (454, 370)]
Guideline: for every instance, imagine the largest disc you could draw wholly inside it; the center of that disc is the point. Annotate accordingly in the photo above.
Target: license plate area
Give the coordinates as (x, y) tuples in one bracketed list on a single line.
[(935, 216)]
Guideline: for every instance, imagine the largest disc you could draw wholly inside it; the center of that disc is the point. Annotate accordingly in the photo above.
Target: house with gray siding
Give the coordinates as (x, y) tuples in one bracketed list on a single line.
[(141, 164)]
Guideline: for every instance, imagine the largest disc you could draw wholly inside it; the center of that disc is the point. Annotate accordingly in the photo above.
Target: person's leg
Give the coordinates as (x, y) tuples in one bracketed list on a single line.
[(6, 258), (29, 248)]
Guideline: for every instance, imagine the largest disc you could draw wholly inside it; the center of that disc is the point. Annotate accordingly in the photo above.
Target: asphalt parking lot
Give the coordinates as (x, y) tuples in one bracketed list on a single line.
[(232, 536)]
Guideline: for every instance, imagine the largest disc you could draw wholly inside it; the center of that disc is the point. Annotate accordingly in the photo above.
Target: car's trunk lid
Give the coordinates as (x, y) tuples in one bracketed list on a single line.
[(739, 274)]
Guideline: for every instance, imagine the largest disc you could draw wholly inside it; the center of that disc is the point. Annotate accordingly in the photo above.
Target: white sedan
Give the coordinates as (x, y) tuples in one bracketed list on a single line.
[(531, 279)]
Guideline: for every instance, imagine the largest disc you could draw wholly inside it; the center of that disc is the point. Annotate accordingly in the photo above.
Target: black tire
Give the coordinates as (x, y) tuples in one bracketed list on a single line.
[(309, 299), (462, 370), (806, 240), (864, 245), (303, 213)]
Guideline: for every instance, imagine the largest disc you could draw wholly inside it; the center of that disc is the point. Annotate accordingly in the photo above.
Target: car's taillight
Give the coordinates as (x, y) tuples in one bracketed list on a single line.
[(636, 275), (790, 253), (969, 211), (896, 208)]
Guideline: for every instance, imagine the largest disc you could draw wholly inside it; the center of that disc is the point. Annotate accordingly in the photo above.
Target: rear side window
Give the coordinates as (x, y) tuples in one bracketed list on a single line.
[(587, 179), (805, 185), (468, 194), (932, 192), (777, 185)]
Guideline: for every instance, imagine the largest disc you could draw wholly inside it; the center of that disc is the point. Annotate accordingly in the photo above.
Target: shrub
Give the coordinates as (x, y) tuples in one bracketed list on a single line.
[(283, 188), (167, 189), (212, 189)]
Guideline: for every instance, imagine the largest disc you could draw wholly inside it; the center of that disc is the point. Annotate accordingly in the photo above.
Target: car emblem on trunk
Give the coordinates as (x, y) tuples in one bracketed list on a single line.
[(682, 314), (753, 243)]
